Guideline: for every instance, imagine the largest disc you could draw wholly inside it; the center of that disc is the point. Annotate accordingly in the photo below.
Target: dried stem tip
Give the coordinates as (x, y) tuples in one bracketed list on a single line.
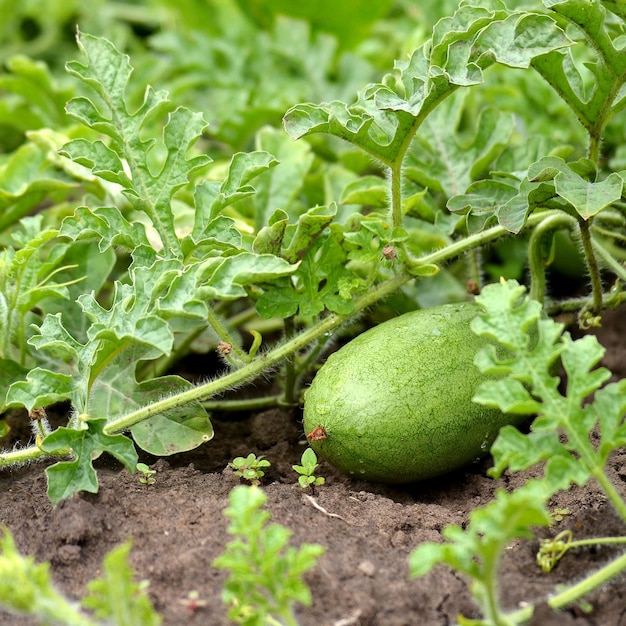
[(317, 434)]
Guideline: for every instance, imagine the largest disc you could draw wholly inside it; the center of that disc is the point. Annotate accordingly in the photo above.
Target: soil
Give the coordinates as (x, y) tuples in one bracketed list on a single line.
[(178, 529)]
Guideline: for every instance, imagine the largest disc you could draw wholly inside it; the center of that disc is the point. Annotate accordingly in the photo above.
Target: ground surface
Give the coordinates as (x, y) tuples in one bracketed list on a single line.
[(178, 529)]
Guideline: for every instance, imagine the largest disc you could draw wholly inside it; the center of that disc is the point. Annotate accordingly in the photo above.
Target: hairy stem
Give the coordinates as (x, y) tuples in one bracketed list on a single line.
[(535, 258), (618, 269), (610, 491), (26, 455), (257, 365), (492, 606), (478, 239), (396, 193), (611, 299), (592, 265), (474, 269), (265, 361), (247, 404), (290, 368)]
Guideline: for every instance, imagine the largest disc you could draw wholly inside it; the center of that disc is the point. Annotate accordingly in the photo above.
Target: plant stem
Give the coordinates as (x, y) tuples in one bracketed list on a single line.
[(595, 541), (290, 367), (257, 365), (611, 299), (608, 258), (265, 361), (26, 455), (610, 491), (247, 404), (492, 607), (578, 590), (592, 265), (396, 193), (475, 273), (478, 239), (261, 363), (535, 258)]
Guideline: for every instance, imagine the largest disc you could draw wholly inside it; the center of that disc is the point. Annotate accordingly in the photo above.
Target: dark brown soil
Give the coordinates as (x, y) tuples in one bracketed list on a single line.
[(178, 529)]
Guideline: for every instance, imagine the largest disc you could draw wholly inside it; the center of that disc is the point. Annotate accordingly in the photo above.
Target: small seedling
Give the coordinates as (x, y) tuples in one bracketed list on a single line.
[(193, 602), (266, 574), (147, 474), (559, 514), (250, 468), (307, 476), (26, 588)]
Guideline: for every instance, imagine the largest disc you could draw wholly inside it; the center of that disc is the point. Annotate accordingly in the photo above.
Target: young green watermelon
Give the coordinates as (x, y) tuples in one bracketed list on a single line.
[(395, 404)]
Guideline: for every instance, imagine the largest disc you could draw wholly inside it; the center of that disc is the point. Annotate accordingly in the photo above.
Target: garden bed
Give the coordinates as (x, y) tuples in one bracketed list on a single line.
[(184, 232), (368, 530)]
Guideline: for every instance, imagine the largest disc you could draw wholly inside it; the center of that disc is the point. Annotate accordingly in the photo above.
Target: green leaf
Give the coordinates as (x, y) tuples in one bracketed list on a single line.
[(361, 124), (308, 228), (32, 98), (483, 200), (517, 452), (590, 100), (116, 597), (28, 177), (586, 197), (69, 477), (26, 282), (349, 21), (131, 314), (309, 459), (278, 187), (10, 371), (265, 573), (41, 388), (520, 38), (446, 162), (84, 268), (150, 183), (509, 395), (561, 431), (509, 315), (385, 114), (113, 378), (609, 406), (314, 286), (227, 277), (563, 470), (578, 358), (100, 159), (107, 225), (370, 191), (212, 197), (269, 239), (181, 429), (513, 213)]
